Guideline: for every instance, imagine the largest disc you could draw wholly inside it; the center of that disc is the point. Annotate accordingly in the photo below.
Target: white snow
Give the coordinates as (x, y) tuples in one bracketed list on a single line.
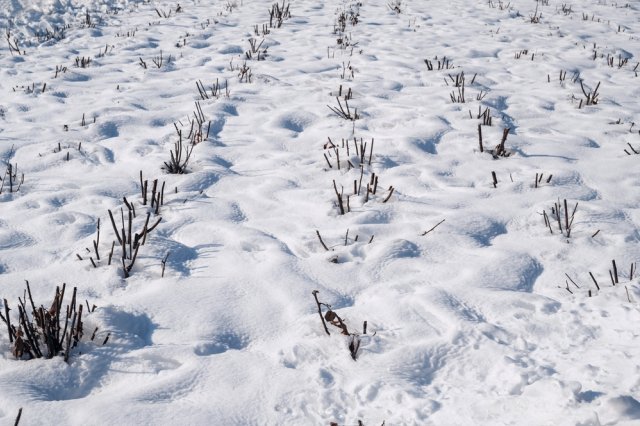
[(473, 323)]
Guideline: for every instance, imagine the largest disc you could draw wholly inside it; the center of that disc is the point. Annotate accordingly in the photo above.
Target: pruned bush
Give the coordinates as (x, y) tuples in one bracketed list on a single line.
[(278, 14), (180, 156), (45, 333), (130, 241), (11, 180)]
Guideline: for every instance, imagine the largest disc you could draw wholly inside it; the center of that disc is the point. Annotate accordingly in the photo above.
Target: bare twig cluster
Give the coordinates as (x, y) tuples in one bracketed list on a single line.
[(347, 71), (331, 317), (566, 10), (11, 180), (60, 69), (82, 62), (535, 18), (102, 53), (500, 5), (348, 93), (158, 60), (344, 200), (458, 97), (261, 30), (621, 62), (56, 33), (244, 73), (164, 14), (396, 6), (500, 150), (346, 240), (613, 275), (230, 5), (350, 15), (355, 157), (129, 241), (196, 121), (442, 64), (96, 250), (591, 98), (559, 215), (179, 156), (14, 46), (157, 195), (633, 150), (214, 92), (539, 178), (278, 14), (345, 41), (485, 115), (45, 333), (255, 51), (344, 112)]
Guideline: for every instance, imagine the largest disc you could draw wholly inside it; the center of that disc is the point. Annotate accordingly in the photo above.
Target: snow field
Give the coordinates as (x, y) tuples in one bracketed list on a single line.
[(472, 321)]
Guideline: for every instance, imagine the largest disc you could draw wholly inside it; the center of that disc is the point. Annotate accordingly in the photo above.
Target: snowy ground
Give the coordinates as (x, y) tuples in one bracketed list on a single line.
[(473, 323)]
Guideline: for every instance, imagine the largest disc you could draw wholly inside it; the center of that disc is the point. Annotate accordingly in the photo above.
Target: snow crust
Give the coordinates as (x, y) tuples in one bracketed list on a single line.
[(490, 318)]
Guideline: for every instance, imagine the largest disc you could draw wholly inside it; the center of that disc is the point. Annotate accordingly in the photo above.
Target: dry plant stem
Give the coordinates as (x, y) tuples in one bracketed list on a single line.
[(324, 324), (164, 263), (339, 196), (115, 228), (354, 346), (566, 218), (7, 321), (594, 281), (434, 227), (113, 244), (68, 347), (391, 189), (574, 283), (321, 242), (591, 97), (96, 242), (328, 162), (547, 221), (335, 320), (18, 417), (340, 111), (500, 151)]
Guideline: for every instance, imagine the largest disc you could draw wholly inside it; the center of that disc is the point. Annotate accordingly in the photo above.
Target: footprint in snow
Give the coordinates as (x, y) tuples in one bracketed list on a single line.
[(221, 343)]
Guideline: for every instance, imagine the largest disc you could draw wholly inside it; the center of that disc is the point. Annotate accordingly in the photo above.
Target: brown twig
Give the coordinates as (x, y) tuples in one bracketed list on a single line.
[(324, 324)]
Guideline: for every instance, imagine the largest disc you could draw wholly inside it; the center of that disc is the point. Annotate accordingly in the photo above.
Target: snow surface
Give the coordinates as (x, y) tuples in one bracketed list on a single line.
[(473, 323)]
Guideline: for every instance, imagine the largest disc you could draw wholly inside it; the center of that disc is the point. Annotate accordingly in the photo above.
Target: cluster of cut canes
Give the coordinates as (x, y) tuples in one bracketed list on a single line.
[(36, 331)]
